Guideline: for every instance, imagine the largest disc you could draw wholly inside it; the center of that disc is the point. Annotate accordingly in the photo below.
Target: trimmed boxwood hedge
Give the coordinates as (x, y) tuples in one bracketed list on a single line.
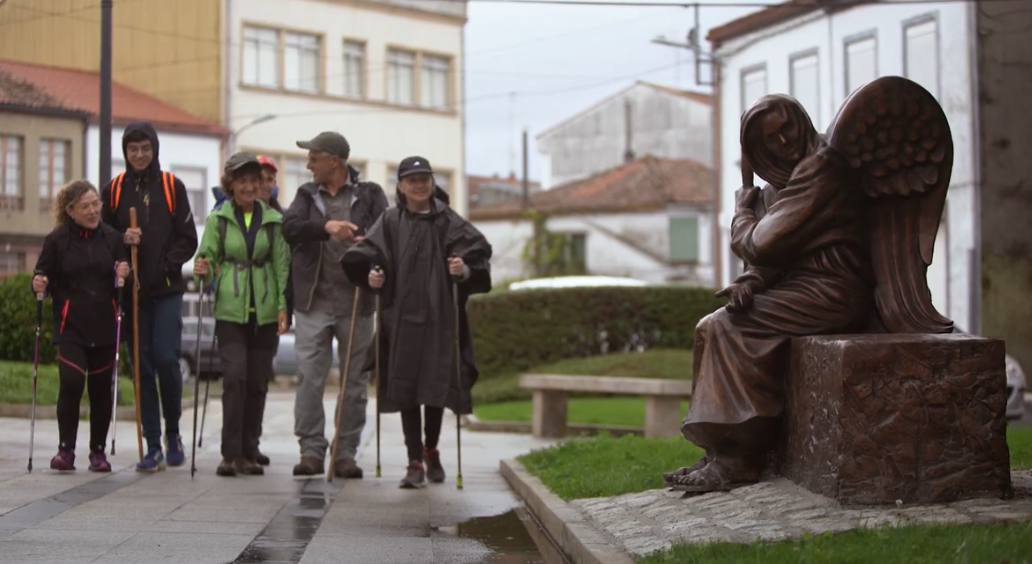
[(514, 331)]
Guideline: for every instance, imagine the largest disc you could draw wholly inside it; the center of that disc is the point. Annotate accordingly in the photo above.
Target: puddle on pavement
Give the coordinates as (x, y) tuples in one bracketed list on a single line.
[(286, 537), (515, 537)]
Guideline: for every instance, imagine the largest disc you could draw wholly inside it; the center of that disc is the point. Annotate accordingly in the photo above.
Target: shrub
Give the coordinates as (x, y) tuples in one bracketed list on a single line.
[(18, 330), (513, 331)]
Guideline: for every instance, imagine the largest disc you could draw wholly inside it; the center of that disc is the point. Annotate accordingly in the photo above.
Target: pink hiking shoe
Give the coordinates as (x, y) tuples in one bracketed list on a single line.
[(64, 461), (99, 462)]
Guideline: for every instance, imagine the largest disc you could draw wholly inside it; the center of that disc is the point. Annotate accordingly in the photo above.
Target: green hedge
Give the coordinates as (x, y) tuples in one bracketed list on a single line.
[(18, 329), (514, 331)]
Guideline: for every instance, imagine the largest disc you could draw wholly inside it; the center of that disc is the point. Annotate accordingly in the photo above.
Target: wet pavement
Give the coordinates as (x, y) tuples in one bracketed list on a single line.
[(125, 516)]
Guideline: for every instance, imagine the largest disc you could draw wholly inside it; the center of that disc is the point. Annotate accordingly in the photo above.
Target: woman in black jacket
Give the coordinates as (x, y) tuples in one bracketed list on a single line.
[(80, 265)]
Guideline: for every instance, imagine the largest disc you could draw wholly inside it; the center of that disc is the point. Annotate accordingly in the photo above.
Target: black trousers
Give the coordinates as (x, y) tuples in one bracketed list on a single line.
[(80, 367), (410, 424), (246, 352)]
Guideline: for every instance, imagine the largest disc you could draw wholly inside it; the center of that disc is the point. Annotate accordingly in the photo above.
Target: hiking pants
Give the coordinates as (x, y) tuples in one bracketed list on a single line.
[(161, 335), (80, 367), (246, 352), (410, 423), (314, 332)]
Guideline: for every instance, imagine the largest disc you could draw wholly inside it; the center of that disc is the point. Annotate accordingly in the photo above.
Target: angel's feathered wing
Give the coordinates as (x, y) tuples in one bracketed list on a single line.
[(895, 135)]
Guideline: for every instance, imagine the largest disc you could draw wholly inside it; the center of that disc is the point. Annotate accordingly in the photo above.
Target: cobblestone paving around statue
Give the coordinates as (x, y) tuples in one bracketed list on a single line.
[(778, 510)]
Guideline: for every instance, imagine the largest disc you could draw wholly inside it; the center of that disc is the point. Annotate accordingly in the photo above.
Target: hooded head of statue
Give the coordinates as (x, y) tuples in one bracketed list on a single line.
[(776, 136)]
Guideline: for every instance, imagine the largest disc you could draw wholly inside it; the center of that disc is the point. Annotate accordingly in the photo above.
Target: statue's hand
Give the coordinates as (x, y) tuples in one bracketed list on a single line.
[(739, 297)]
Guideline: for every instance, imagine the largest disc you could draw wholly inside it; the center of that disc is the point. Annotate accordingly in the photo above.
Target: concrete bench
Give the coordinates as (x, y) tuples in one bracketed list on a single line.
[(662, 400)]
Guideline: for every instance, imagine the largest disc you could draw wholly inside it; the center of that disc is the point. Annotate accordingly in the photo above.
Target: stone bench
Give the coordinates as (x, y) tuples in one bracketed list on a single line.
[(879, 418), (662, 400)]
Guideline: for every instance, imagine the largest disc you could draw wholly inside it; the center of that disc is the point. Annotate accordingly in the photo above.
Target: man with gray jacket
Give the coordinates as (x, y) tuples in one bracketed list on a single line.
[(327, 216)]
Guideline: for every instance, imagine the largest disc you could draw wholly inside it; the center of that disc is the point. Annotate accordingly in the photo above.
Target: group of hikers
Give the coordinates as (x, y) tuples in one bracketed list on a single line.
[(335, 259)]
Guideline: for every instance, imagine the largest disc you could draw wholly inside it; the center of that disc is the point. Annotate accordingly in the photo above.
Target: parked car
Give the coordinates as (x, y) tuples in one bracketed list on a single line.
[(208, 366)]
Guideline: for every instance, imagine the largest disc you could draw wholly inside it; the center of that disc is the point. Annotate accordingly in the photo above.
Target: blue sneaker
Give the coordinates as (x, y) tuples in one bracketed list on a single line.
[(153, 461), (176, 452)]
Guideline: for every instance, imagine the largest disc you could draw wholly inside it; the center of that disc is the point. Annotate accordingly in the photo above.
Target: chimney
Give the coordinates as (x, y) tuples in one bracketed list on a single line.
[(628, 144)]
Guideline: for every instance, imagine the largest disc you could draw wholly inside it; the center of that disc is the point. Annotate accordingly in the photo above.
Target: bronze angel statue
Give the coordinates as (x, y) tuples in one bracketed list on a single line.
[(837, 242)]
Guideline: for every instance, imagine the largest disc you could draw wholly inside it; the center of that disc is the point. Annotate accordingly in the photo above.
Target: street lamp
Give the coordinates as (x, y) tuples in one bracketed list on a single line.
[(260, 119)]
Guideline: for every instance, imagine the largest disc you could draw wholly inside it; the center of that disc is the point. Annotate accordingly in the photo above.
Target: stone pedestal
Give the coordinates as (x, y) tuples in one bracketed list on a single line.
[(879, 418)]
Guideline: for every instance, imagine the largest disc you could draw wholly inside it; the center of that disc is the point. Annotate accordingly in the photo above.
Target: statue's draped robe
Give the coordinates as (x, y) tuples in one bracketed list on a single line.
[(809, 245)]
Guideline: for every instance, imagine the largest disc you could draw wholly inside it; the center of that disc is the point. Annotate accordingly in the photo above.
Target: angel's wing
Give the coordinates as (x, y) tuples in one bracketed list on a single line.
[(896, 136)]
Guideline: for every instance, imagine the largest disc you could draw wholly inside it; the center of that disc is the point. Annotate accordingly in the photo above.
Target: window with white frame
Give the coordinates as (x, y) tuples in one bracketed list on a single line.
[(53, 170), (754, 86), (401, 75), (921, 54), (195, 180), (805, 84), (354, 69), (301, 62), (11, 195), (433, 81), (261, 57), (861, 62), (11, 263), (293, 174)]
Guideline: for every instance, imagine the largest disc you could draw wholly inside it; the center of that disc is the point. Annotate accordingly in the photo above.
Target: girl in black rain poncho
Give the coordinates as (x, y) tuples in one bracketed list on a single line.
[(422, 248)]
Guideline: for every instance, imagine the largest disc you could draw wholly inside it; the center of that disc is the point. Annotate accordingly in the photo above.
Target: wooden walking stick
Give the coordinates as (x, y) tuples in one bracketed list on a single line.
[(379, 328), (136, 334), (458, 379), (343, 385)]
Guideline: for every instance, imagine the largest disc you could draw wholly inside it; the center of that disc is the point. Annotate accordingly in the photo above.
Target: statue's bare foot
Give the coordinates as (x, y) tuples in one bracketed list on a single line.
[(720, 474), (671, 477)]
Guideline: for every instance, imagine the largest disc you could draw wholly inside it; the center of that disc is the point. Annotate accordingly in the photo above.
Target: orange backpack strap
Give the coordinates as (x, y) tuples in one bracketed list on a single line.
[(168, 182), (116, 191)]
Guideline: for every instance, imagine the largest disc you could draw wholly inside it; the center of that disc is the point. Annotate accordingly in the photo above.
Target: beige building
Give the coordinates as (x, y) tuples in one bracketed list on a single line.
[(41, 148), (385, 73)]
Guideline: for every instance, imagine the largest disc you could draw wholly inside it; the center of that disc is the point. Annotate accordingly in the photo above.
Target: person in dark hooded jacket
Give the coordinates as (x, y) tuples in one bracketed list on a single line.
[(166, 238), (422, 248)]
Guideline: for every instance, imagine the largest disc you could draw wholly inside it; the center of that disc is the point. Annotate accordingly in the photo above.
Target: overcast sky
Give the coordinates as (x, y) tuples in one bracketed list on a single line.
[(532, 66)]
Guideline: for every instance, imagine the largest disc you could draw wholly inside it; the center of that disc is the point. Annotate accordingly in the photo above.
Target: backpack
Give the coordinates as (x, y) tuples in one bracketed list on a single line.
[(168, 183), (270, 230)]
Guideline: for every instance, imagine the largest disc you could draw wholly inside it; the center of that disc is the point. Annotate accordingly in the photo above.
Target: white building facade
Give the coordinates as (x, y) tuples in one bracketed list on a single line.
[(820, 57), (664, 122), (386, 74)]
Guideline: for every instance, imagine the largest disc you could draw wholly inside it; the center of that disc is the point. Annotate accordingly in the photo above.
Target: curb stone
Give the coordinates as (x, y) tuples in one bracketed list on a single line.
[(575, 536), (525, 427), (48, 412)]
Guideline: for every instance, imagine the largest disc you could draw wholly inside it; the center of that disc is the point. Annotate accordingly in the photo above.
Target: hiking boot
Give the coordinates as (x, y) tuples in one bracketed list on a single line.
[(99, 462), (226, 469), (434, 470), (248, 467), (64, 461), (153, 461), (415, 476), (262, 460), (176, 454), (347, 469), (309, 466)]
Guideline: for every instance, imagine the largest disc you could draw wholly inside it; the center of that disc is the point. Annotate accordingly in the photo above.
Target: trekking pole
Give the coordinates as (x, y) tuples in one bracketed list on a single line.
[(119, 283), (343, 385), (197, 376), (379, 325), (136, 334), (35, 376), (458, 381), (207, 383)]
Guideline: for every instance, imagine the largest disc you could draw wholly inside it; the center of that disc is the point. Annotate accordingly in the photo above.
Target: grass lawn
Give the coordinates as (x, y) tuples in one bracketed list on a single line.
[(605, 466), (16, 385), (626, 411), (668, 364), (932, 545)]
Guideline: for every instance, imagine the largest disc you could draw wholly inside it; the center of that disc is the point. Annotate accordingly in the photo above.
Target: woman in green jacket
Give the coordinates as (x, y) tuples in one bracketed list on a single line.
[(251, 261)]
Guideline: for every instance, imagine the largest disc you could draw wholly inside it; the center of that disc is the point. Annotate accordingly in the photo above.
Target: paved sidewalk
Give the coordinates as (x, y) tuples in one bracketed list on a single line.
[(128, 517)]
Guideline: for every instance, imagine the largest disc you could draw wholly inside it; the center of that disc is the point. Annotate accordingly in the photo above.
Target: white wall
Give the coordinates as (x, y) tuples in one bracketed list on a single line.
[(826, 34), (607, 254), (198, 153), (379, 134)]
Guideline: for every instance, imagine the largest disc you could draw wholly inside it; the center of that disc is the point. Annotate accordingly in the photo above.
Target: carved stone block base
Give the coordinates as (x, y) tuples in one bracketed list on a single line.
[(878, 418)]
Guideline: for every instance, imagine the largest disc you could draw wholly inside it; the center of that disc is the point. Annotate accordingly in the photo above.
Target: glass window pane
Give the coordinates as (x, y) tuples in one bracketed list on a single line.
[(293, 174), (922, 55), (196, 183), (354, 69), (806, 85), (754, 85), (434, 81), (861, 64), (400, 76)]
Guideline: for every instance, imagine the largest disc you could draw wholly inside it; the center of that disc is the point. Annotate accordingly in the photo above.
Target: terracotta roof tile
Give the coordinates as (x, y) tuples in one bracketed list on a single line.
[(80, 90), (645, 184), (18, 93)]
